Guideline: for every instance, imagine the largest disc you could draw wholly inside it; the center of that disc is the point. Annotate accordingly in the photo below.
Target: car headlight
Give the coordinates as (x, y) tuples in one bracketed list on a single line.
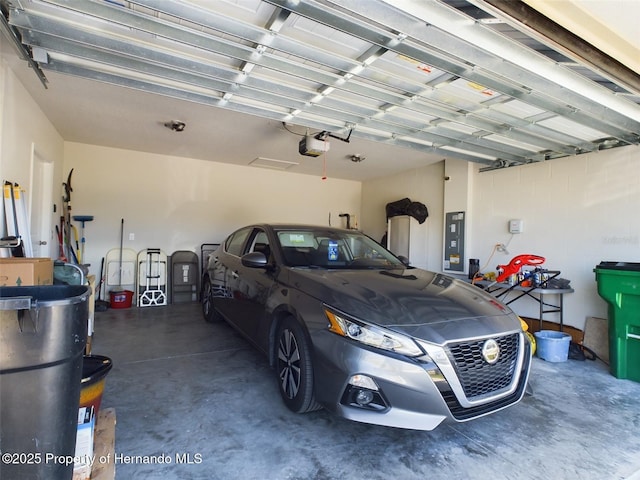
[(372, 335)]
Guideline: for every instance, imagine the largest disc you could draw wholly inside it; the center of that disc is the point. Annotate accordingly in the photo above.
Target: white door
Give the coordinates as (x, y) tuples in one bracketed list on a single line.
[(40, 207), (399, 235)]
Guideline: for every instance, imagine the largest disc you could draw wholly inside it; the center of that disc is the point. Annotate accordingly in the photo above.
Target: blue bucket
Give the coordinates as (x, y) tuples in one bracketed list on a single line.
[(552, 346)]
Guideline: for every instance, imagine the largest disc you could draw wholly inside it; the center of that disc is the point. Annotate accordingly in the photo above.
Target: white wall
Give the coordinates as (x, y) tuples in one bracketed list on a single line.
[(26, 134), (177, 203), (424, 185), (577, 212)]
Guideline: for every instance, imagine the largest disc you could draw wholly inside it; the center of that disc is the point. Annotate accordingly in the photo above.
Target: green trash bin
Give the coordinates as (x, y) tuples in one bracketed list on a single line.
[(619, 285)]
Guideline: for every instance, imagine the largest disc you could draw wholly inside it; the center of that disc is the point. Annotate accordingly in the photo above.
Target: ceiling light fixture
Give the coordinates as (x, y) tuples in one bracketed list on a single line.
[(175, 125)]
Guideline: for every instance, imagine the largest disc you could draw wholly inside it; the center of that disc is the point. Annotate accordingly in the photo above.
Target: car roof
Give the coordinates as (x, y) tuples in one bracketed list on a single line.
[(301, 226)]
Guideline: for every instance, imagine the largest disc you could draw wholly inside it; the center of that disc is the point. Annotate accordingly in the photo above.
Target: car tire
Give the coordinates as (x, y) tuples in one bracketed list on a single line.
[(294, 367), (209, 313)]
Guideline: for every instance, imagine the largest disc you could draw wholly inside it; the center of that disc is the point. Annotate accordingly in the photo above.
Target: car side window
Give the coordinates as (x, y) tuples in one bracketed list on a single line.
[(235, 242), (260, 243)]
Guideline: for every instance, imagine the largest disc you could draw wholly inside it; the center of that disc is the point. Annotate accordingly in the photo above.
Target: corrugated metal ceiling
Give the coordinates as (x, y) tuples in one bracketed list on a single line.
[(452, 77)]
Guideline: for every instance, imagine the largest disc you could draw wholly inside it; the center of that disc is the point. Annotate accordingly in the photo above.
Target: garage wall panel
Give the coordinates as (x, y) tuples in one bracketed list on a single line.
[(26, 133), (178, 203), (577, 212), (424, 185)]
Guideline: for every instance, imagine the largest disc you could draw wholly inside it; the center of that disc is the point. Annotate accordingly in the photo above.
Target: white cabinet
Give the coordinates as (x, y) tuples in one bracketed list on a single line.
[(408, 238)]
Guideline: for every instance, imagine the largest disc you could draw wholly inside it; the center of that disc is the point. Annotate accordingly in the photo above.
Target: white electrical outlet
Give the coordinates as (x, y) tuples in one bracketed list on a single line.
[(516, 226), (132, 236)]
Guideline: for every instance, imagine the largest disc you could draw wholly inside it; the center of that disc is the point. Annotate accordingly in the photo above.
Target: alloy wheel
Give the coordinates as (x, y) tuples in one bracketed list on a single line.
[(289, 364)]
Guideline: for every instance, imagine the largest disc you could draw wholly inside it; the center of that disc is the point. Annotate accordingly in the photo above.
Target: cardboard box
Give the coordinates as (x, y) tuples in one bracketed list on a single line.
[(83, 458), (596, 337), (20, 271), (104, 467)]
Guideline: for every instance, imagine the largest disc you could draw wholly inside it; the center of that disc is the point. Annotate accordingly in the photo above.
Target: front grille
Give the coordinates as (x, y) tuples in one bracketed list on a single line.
[(462, 414), (476, 376)]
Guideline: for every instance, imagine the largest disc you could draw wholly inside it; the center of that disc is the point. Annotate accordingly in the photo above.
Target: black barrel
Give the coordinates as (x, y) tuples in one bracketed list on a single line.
[(43, 332)]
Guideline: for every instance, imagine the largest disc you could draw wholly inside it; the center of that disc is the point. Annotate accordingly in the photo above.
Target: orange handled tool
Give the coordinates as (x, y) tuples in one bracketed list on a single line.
[(516, 264)]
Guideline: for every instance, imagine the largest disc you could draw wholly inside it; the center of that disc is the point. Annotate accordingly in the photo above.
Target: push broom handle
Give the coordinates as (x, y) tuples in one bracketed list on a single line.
[(121, 241)]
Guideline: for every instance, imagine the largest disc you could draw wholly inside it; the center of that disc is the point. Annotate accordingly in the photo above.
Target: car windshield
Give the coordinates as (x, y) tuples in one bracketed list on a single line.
[(318, 248)]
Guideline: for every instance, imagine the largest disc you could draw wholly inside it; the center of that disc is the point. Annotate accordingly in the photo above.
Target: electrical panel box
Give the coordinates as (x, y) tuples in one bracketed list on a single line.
[(516, 226), (454, 239)]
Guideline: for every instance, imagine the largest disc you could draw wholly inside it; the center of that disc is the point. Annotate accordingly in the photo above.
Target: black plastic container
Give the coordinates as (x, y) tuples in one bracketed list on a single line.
[(474, 267), (43, 332)]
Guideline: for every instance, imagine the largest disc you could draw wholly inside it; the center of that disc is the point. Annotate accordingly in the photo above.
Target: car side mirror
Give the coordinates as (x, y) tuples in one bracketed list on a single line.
[(404, 260), (254, 260)]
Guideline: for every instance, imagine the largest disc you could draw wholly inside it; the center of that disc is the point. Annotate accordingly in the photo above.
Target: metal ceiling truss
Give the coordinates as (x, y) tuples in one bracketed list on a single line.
[(458, 78)]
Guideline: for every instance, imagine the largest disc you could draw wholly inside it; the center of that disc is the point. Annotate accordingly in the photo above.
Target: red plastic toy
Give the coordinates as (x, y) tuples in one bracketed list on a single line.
[(516, 264)]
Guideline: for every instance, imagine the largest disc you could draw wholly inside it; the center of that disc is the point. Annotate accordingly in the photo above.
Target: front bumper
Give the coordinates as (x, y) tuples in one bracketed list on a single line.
[(415, 394)]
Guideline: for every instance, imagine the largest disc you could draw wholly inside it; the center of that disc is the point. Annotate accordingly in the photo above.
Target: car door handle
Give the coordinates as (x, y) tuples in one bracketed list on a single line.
[(235, 274)]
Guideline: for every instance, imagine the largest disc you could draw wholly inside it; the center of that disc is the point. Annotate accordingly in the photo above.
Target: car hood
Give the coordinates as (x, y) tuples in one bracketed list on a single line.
[(426, 305)]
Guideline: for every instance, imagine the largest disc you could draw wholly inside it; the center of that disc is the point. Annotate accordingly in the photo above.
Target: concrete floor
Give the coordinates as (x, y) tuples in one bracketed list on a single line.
[(200, 396)]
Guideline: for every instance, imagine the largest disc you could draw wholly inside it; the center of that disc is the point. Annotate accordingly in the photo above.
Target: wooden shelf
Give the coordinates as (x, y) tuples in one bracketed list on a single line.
[(104, 445)]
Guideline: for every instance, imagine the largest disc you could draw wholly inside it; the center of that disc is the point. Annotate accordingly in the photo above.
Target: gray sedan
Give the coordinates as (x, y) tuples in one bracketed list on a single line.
[(353, 329)]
